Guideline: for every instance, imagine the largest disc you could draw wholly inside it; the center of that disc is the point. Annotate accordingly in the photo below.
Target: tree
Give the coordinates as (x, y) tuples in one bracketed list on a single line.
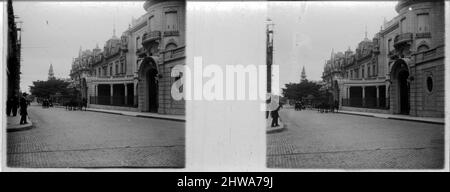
[(49, 88), (304, 89)]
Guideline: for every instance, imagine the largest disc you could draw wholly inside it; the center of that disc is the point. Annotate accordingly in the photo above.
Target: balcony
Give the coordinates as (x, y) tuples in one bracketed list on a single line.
[(151, 37), (140, 51), (376, 49), (431, 54), (171, 33), (404, 38)]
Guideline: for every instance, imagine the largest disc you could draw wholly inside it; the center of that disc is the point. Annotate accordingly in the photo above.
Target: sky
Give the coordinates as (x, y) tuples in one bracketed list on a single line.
[(306, 32), (54, 31)]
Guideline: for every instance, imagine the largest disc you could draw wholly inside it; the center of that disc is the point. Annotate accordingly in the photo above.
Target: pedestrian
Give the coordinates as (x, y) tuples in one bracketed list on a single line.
[(15, 105), (23, 109), (275, 115), (336, 105), (84, 104)]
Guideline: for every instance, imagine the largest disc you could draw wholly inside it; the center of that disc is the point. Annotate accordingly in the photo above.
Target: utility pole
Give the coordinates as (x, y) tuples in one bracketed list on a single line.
[(269, 53)]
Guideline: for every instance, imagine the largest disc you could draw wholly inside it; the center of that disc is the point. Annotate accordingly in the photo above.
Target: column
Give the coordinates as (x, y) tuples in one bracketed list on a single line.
[(111, 94), (387, 98), (126, 94), (363, 96), (96, 94), (378, 96), (348, 95)]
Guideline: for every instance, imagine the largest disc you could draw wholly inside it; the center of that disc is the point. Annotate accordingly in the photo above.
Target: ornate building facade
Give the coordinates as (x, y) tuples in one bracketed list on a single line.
[(133, 72), (399, 71)]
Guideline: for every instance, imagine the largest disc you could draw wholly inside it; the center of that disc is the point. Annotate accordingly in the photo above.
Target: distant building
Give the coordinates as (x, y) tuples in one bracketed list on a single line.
[(399, 71), (133, 72)]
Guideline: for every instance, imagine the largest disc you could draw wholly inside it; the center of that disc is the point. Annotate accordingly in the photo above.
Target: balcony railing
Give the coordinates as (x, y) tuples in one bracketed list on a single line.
[(124, 101), (423, 35), (403, 38), (430, 54), (174, 53), (151, 36), (171, 33)]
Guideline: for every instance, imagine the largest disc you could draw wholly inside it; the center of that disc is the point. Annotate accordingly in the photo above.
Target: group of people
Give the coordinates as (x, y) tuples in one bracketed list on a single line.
[(326, 107), (14, 103), (46, 103), (74, 104)]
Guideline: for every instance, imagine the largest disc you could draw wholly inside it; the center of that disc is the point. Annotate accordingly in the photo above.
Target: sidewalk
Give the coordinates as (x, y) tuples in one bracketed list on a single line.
[(13, 124), (397, 117), (181, 118)]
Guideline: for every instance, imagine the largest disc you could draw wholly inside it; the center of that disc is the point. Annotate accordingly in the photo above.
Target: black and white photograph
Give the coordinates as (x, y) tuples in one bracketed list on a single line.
[(362, 85), (89, 84), (225, 86)]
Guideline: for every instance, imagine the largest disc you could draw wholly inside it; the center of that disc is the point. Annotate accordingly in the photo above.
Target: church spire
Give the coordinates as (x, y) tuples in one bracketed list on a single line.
[(114, 30), (51, 75), (365, 33), (303, 76)]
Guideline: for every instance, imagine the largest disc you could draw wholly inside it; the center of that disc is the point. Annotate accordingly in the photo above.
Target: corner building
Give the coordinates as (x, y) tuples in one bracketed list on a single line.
[(133, 72), (400, 70)]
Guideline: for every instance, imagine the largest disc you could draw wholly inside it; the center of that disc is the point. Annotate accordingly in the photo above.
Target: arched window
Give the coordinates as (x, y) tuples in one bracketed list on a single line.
[(171, 46), (422, 48)]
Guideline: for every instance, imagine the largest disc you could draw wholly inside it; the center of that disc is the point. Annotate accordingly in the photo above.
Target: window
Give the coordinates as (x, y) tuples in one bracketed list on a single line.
[(368, 71), (374, 70), (389, 45), (423, 24), (430, 84), (110, 70), (99, 71), (150, 23), (403, 25), (117, 69), (121, 68), (171, 21), (105, 68), (137, 42), (362, 72)]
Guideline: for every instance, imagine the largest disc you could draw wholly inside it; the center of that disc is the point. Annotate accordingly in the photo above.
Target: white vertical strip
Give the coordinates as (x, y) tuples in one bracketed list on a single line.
[(225, 135)]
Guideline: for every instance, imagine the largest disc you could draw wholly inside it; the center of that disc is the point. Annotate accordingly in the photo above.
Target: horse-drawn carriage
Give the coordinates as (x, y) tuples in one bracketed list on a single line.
[(74, 103)]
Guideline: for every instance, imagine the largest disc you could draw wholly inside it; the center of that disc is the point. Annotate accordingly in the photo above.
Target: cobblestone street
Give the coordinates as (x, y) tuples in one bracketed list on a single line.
[(333, 140), (63, 138)]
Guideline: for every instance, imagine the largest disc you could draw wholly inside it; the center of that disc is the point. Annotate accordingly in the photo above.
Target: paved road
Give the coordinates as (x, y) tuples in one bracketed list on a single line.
[(331, 140), (63, 138)]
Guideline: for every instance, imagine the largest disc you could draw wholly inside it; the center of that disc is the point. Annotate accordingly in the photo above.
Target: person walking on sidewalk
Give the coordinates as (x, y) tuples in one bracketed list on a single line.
[(275, 115), (23, 109)]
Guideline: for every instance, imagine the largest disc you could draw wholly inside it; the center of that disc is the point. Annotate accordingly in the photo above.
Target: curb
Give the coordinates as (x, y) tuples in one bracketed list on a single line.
[(25, 127), (163, 118), (141, 116), (276, 130), (395, 118), (417, 120)]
